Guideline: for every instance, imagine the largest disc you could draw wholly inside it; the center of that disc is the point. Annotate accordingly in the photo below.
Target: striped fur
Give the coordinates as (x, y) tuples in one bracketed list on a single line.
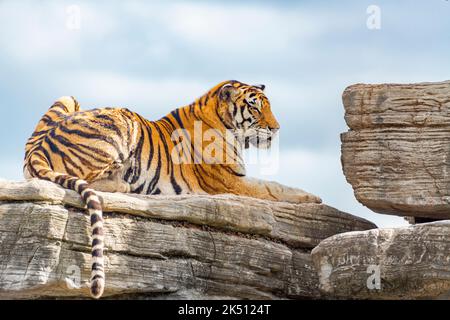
[(117, 150)]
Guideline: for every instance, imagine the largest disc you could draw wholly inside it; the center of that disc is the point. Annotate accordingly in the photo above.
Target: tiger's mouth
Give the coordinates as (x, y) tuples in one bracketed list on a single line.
[(261, 139)]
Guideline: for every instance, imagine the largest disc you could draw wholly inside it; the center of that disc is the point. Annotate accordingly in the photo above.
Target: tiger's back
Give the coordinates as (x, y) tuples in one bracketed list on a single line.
[(85, 144)]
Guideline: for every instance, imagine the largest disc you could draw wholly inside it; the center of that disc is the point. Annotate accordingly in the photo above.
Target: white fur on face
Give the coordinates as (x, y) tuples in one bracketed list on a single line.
[(238, 118)]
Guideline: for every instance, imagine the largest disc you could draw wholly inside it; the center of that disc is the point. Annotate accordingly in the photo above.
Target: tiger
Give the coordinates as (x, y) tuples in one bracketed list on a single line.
[(117, 150)]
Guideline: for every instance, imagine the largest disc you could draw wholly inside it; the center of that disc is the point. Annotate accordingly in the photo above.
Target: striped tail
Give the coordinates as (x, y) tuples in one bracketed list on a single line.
[(37, 165), (97, 281)]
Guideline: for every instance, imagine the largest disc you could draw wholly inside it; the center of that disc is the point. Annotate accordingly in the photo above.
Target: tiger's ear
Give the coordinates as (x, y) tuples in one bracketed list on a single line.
[(260, 86), (227, 92)]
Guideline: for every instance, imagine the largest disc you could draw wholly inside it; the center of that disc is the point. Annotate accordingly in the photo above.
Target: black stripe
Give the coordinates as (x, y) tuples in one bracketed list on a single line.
[(166, 148), (139, 189), (97, 266), (68, 159), (86, 163), (152, 147), (215, 178), (155, 178), (64, 141), (53, 147), (96, 242), (98, 231), (95, 218), (207, 98), (170, 170), (81, 188), (71, 183), (128, 174), (88, 135), (33, 171), (59, 114), (167, 119), (200, 179), (59, 104), (127, 118), (37, 133), (87, 194), (175, 185), (87, 123), (49, 121), (235, 109), (97, 276), (138, 156), (60, 179), (230, 170), (110, 126), (176, 114), (97, 253), (94, 204)]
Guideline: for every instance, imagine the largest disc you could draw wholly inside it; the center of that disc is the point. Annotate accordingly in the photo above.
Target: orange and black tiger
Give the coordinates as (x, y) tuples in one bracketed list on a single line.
[(117, 150)]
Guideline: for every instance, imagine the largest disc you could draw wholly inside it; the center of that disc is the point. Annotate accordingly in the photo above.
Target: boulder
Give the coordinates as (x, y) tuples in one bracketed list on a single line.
[(396, 154), (400, 263), (162, 247)]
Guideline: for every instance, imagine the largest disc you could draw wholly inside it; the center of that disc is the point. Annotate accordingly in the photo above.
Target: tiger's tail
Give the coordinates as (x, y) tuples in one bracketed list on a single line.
[(94, 208), (38, 166)]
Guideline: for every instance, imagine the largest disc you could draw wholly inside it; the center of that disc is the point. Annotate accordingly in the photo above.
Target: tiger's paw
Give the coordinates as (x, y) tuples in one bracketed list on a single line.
[(309, 198), (303, 197)]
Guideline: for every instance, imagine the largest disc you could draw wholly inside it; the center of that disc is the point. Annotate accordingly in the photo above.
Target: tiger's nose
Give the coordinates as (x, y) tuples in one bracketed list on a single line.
[(274, 127)]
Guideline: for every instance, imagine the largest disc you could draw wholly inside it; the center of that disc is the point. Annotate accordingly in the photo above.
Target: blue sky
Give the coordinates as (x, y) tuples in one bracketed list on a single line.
[(154, 56)]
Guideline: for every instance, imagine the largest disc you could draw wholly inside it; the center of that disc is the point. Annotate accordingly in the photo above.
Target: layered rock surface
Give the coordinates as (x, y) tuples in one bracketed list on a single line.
[(396, 154), (400, 263), (162, 247)]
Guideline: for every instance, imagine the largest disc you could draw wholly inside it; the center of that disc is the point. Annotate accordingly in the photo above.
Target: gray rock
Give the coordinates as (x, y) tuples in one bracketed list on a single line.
[(190, 247), (299, 225), (396, 154), (412, 263)]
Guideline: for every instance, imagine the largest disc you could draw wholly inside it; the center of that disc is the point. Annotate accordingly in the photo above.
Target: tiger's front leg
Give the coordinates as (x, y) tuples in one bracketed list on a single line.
[(270, 190)]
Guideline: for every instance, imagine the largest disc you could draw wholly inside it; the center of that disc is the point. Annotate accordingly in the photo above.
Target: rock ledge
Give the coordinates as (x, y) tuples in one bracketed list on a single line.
[(190, 247)]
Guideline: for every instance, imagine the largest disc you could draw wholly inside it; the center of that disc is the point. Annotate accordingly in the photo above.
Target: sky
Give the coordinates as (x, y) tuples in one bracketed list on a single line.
[(154, 56)]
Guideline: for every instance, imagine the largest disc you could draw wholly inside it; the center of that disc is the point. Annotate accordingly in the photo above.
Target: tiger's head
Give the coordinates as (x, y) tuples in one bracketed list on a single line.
[(245, 110)]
